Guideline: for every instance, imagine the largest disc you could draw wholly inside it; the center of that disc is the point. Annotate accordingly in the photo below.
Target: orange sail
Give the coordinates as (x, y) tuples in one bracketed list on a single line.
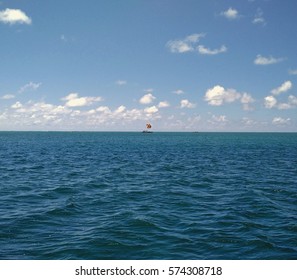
[(148, 126)]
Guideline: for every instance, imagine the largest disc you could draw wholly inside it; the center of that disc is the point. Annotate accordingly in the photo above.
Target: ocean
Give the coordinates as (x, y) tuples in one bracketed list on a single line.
[(121, 195)]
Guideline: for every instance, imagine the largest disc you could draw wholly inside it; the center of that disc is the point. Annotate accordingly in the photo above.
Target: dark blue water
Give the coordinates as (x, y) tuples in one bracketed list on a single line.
[(148, 196)]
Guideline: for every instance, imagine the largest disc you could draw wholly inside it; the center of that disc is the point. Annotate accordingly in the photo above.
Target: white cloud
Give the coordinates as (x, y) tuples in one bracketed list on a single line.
[(246, 100), (40, 107), (120, 109), (29, 87), (179, 46), (248, 122), (270, 102), (103, 109), (261, 60), (215, 96), (39, 113), (8, 96), (284, 106), (203, 50), (193, 121), (190, 44), (292, 103), (104, 116), (52, 117), (73, 100), (121, 82), (230, 14), (220, 120), (186, 104), (13, 16), (259, 19), (293, 72), (91, 112), (184, 45), (147, 99), (133, 115), (17, 105), (218, 95), (3, 116), (287, 85), (280, 121), (163, 104), (194, 38), (151, 110), (178, 92), (292, 100)]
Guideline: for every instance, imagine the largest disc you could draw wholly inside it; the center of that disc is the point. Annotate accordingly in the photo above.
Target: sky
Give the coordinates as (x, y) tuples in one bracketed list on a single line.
[(181, 65)]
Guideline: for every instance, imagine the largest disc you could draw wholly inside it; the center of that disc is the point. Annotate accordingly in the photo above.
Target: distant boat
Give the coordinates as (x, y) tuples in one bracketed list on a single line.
[(148, 127)]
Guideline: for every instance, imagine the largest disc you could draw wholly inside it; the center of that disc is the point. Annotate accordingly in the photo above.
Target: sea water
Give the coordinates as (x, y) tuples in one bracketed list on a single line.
[(89, 195)]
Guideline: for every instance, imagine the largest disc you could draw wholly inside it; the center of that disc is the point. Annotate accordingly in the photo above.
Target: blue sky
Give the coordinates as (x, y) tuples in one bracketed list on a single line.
[(191, 65)]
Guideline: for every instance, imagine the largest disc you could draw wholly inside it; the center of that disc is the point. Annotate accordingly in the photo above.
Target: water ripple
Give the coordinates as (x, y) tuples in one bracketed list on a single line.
[(159, 196)]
